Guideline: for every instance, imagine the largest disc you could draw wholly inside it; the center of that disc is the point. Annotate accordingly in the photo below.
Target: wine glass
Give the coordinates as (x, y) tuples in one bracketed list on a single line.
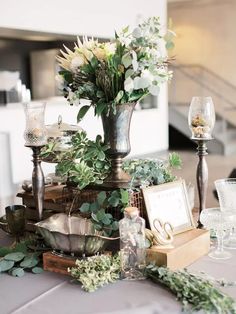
[(220, 222), (226, 190), (201, 117)]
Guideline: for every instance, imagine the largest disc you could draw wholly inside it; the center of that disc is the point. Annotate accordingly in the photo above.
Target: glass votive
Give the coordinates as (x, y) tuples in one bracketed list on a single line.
[(35, 131), (201, 117), (15, 219)]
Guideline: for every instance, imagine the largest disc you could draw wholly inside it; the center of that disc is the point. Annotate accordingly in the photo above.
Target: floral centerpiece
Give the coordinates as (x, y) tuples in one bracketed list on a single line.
[(113, 76), (120, 71)]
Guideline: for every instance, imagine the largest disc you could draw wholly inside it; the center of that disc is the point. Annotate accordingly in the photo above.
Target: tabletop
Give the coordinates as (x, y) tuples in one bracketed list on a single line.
[(50, 293)]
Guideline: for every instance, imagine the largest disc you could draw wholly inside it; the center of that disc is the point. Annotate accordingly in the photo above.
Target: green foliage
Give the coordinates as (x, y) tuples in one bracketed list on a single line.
[(101, 210), (85, 162), (151, 171), (194, 292), (15, 260), (96, 271)]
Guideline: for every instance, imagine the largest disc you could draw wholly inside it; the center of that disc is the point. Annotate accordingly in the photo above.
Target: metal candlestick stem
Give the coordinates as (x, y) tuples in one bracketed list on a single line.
[(38, 181), (202, 175)]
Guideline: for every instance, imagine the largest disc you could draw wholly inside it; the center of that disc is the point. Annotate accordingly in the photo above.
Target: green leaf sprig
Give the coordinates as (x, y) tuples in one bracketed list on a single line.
[(85, 162), (152, 171), (96, 271), (101, 210), (194, 292)]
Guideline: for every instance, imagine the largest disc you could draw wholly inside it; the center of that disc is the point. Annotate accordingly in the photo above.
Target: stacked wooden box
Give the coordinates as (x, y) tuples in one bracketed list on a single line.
[(53, 203)]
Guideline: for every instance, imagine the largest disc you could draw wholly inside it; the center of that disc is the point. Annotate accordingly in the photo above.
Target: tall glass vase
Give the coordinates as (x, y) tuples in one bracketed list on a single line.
[(116, 127)]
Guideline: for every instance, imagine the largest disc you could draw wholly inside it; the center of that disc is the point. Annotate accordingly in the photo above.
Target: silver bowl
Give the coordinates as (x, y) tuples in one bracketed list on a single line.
[(72, 234)]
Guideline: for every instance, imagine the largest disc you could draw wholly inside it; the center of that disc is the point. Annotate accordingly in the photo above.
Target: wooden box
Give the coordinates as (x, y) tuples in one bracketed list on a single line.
[(57, 264), (187, 248)]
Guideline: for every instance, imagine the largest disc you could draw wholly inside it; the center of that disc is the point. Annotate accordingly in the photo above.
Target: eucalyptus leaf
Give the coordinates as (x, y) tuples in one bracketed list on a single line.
[(127, 60), (85, 207), (37, 270), (124, 196), (16, 257), (6, 265), (29, 261), (17, 272), (101, 197), (114, 201), (106, 220)]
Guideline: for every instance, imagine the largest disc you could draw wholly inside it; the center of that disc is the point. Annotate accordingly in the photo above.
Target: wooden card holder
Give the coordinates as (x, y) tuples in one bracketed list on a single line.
[(187, 248)]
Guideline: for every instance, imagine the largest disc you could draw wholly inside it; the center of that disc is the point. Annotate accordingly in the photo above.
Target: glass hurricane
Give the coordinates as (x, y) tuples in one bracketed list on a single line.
[(226, 190), (220, 222), (35, 131), (201, 117)]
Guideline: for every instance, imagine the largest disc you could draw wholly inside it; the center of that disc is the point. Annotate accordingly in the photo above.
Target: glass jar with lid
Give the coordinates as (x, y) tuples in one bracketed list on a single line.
[(59, 138)]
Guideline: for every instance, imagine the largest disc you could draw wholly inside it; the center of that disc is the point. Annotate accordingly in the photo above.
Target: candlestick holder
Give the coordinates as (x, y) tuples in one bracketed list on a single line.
[(201, 119), (201, 175), (38, 180), (36, 137)]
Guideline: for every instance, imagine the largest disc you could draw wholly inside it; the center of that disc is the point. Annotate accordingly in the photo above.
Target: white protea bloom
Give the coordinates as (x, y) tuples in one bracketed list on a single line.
[(129, 85), (71, 60), (100, 53), (77, 62)]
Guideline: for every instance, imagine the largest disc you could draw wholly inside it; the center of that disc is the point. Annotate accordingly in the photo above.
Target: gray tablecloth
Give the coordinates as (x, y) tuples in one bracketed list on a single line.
[(50, 293)]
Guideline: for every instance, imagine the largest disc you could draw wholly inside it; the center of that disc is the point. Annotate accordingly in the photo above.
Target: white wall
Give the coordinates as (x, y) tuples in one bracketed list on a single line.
[(206, 35), (90, 17), (145, 133)]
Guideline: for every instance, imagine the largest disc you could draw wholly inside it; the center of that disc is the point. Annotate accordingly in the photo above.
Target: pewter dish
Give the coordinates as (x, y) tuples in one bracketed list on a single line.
[(72, 234)]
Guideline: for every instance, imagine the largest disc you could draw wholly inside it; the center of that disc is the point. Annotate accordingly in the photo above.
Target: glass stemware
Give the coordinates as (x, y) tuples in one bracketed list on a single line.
[(220, 222), (226, 190), (201, 117), (15, 217)]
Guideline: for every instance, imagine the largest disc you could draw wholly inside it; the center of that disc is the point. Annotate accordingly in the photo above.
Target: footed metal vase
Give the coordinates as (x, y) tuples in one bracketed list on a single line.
[(116, 127)]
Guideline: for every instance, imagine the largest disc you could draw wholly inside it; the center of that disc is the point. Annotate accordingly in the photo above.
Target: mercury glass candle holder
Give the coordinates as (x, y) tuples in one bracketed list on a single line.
[(35, 131), (36, 137), (201, 120)]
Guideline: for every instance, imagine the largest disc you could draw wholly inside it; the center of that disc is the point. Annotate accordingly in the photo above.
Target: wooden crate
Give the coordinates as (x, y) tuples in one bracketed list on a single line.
[(57, 264)]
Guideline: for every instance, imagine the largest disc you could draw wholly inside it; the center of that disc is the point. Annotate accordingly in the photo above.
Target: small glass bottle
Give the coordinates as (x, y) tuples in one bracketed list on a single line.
[(132, 244)]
